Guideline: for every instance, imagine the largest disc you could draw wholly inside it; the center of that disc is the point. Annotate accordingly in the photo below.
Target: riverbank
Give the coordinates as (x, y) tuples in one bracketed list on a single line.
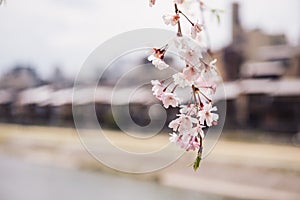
[(234, 169)]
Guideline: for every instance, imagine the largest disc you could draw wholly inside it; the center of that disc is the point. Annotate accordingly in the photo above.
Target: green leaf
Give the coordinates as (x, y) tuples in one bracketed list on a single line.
[(219, 18), (217, 12), (197, 162)]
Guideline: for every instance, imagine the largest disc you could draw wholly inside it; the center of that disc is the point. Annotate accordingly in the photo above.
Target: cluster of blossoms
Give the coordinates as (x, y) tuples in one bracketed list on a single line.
[(201, 77)]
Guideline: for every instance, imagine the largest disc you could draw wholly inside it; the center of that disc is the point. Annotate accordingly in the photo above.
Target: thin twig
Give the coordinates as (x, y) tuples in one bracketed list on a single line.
[(194, 94), (179, 32), (186, 17), (208, 99)]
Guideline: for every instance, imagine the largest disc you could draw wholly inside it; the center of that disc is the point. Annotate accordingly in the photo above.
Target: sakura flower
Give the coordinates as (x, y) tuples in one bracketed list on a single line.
[(157, 89), (158, 62), (188, 136), (194, 143), (170, 99), (196, 28), (187, 123), (199, 130), (174, 138), (178, 1), (191, 55), (171, 19), (180, 80), (159, 53), (174, 124), (206, 115), (202, 83), (210, 72), (151, 3), (211, 68), (188, 109), (189, 141), (191, 73), (183, 123), (180, 42), (184, 141)]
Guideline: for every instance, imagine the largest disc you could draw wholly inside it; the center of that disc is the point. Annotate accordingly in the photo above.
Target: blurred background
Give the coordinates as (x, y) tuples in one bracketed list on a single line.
[(44, 43)]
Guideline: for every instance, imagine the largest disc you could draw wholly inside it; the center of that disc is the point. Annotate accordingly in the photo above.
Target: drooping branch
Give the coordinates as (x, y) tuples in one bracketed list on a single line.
[(179, 32)]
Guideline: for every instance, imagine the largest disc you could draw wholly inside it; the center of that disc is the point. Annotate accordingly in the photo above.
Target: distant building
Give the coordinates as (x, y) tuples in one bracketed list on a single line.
[(19, 78), (264, 71), (58, 80)]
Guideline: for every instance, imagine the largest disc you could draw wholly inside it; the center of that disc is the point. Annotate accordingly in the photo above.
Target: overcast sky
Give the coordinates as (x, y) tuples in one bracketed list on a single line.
[(47, 33)]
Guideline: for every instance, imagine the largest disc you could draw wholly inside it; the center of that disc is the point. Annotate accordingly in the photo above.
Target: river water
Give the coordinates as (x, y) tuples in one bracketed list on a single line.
[(22, 180)]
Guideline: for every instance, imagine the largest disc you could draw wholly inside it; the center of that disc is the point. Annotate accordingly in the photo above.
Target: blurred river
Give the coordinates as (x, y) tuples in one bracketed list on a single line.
[(22, 180)]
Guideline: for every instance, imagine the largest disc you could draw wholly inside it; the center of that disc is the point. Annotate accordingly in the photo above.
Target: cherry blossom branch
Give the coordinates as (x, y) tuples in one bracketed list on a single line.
[(189, 128), (179, 32)]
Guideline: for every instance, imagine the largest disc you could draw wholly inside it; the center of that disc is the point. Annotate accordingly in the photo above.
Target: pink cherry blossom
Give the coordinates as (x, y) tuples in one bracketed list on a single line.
[(157, 89), (194, 143), (180, 80), (171, 19), (202, 83), (174, 138), (210, 72), (187, 123), (174, 124), (199, 130), (181, 43), (188, 140), (206, 115), (160, 64), (191, 55), (183, 123), (211, 68), (190, 109), (151, 3), (169, 99), (191, 73), (196, 28), (184, 140), (178, 1), (157, 62)]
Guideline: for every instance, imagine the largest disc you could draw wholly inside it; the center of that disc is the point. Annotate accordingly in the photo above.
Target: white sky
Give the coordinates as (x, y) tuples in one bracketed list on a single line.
[(46, 33)]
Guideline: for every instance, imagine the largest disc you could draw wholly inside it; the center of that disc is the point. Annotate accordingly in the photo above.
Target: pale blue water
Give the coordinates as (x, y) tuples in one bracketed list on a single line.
[(21, 180)]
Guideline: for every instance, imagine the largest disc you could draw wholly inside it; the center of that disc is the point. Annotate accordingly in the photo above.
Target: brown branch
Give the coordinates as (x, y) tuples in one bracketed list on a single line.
[(194, 94), (186, 17), (179, 32)]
